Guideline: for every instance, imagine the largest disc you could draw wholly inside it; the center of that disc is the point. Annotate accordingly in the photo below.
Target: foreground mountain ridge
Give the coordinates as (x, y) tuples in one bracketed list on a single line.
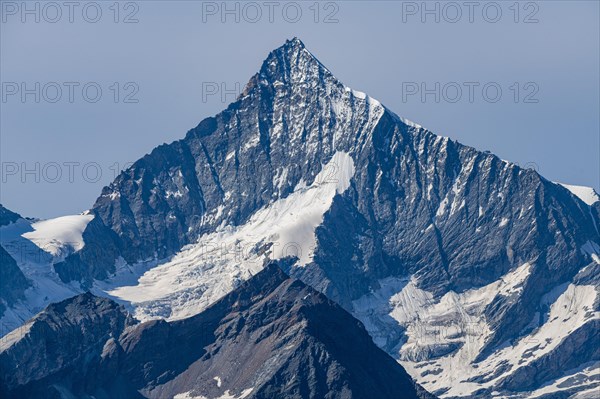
[(272, 337), (457, 262)]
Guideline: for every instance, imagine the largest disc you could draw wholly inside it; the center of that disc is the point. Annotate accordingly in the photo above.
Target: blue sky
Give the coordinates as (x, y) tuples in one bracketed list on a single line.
[(543, 56)]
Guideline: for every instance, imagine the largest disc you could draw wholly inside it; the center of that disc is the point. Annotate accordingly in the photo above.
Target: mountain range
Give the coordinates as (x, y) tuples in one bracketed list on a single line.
[(479, 277)]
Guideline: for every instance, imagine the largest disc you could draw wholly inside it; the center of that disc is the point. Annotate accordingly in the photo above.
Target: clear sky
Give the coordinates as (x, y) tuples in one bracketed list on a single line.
[(439, 64)]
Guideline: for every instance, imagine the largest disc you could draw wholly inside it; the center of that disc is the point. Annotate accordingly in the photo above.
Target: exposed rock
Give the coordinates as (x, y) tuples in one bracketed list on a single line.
[(12, 281), (580, 347), (273, 337), (7, 216)]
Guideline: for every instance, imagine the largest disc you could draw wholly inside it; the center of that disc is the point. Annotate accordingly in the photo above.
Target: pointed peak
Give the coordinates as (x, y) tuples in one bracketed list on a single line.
[(287, 64), (271, 276), (294, 42), (290, 62), (81, 303), (292, 68), (291, 46), (292, 49)]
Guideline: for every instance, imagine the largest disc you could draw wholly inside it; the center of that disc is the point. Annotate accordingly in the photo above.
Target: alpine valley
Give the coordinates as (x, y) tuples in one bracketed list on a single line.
[(307, 242)]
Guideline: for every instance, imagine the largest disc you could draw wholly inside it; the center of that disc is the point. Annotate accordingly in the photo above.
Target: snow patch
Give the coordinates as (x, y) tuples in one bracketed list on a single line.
[(15, 336), (113, 196), (592, 249), (442, 208), (586, 194), (173, 194), (56, 235), (251, 143), (410, 123), (36, 247), (226, 395)]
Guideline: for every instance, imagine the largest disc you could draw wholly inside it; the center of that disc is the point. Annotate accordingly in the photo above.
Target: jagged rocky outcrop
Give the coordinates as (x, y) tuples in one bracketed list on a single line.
[(273, 337), (7, 216), (13, 282)]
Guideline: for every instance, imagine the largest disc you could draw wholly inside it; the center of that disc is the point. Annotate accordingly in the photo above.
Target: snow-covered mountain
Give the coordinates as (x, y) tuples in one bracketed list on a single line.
[(480, 277)]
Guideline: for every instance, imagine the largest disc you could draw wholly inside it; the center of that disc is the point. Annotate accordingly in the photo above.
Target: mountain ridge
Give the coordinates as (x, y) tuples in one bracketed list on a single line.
[(156, 359)]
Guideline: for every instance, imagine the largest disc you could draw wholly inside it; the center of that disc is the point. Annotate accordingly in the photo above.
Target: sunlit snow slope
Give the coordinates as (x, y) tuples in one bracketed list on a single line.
[(205, 271)]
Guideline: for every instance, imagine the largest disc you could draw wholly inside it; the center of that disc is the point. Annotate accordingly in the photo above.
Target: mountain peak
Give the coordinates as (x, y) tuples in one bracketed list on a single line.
[(81, 306), (295, 42), (293, 45), (292, 63)]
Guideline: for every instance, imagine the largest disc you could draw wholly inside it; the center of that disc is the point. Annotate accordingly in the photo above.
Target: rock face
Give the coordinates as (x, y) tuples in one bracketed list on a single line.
[(13, 282), (468, 269), (7, 216), (273, 337), (567, 356), (59, 347)]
